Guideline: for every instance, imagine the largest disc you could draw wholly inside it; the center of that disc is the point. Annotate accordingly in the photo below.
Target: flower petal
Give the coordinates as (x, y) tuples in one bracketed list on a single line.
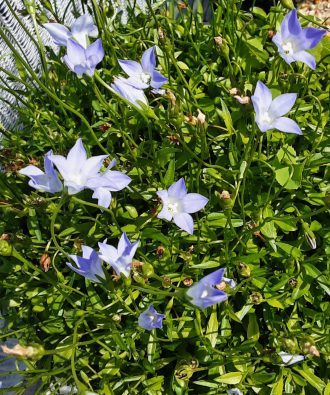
[(128, 92), (148, 60), (108, 253), (262, 98), (75, 52), (77, 157), (82, 27), (130, 67), (213, 278), (185, 222), (60, 34), (290, 26), (116, 180), (286, 125), (178, 189), (193, 202), (311, 37), (306, 58), (282, 104), (157, 79), (95, 52), (104, 197)]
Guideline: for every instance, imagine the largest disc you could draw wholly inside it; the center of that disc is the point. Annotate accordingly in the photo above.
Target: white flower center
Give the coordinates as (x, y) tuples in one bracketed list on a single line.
[(265, 118), (78, 179), (173, 206), (145, 78), (288, 48), (204, 294)]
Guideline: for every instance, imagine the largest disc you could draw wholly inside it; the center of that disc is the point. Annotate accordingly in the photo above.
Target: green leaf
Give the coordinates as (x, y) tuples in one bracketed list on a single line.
[(313, 380), (170, 173), (253, 327), (289, 177), (230, 378), (278, 387), (212, 327)]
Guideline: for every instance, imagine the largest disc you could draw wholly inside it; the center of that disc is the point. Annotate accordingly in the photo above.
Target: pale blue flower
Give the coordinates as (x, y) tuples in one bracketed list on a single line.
[(151, 319), (235, 391), (82, 60), (81, 29), (205, 293), (119, 258), (269, 112), (80, 172), (292, 41), (144, 75), (178, 205), (128, 92), (45, 182), (289, 359), (89, 265)]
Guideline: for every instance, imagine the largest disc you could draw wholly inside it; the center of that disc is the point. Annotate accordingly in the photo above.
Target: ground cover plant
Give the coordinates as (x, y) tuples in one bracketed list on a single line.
[(164, 203)]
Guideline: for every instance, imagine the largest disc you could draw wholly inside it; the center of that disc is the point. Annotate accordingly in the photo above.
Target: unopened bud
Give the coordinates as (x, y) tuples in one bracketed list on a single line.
[(287, 4), (244, 269), (191, 119), (160, 251), (271, 34), (234, 91), (166, 282), (45, 262), (188, 282), (293, 283), (242, 99), (34, 352), (310, 348), (147, 270), (218, 41), (6, 236), (6, 248), (256, 298), (181, 6), (116, 318), (170, 95), (200, 117), (138, 278), (161, 34), (225, 200)]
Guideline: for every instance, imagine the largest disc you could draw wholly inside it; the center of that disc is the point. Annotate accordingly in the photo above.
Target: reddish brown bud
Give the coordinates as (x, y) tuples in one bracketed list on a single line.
[(188, 282), (45, 262)]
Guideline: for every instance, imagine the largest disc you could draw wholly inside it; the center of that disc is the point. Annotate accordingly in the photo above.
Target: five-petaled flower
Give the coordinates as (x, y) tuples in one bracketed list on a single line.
[(119, 258), (82, 60), (269, 112), (292, 41), (206, 292), (89, 265), (47, 181), (178, 205), (151, 319), (144, 75), (80, 30)]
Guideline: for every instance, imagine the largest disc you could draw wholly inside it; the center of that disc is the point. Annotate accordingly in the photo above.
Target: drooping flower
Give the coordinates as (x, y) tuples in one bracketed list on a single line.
[(82, 60), (235, 391), (205, 293), (151, 319), (269, 112), (178, 205), (45, 182), (292, 41), (144, 75), (89, 265), (80, 172), (119, 258), (128, 92), (81, 29), (289, 359)]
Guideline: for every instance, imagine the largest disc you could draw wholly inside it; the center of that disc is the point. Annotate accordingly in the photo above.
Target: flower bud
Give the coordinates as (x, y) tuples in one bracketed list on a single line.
[(287, 4), (256, 298), (200, 117), (225, 200), (45, 262), (160, 251), (310, 348), (166, 282), (218, 41), (188, 282), (138, 278), (6, 248), (244, 269), (147, 270), (33, 352), (293, 282)]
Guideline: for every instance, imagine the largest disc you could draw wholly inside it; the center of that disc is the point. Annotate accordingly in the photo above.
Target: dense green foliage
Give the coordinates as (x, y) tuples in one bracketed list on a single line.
[(264, 235)]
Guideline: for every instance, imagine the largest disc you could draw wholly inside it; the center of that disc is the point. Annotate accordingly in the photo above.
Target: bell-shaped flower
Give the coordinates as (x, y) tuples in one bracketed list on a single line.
[(178, 205), (119, 258), (47, 181), (81, 29), (151, 319), (76, 169), (128, 92), (206, 292), (82, 60), (89, 265), (269, 112), (292, 41), (107, 182), (143, 75), (289, 359)]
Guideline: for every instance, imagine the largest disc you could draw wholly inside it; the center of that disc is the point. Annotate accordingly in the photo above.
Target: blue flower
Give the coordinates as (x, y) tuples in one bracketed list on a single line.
[(289, 359), (292, 41), (80, 30), (82, 60), (269, 112), (128, 92), (206, 292), (144, 75), (89, 265), (151, 319), (80, 172), (119, 258), (45, 182), (178, 205)]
